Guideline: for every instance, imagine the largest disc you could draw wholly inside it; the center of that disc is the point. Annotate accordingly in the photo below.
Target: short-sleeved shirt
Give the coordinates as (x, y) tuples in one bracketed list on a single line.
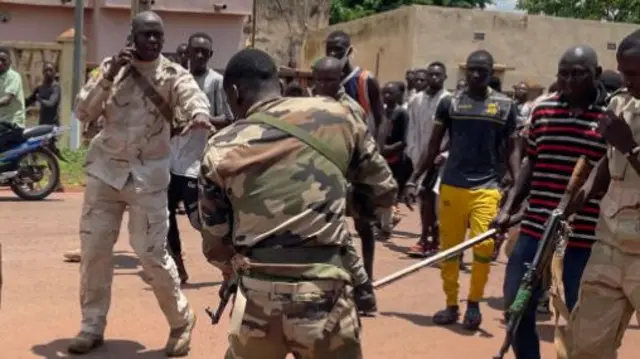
[(186, 150), (49, 103), (11, 83), (478, 130), (556, 139)]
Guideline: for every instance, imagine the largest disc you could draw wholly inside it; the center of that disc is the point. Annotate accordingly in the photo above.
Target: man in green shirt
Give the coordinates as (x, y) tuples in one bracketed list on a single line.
[(11, 92)]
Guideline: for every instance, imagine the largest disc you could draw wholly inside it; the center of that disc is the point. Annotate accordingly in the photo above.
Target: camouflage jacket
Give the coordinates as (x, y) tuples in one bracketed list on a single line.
[(259, 184), (135, 137)]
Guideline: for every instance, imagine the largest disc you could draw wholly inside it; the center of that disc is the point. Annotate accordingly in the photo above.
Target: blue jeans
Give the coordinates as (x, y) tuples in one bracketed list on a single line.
[(526, 344)]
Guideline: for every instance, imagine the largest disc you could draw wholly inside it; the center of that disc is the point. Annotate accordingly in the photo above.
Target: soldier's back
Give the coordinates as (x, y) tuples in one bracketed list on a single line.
[(288, 204), (280, 187)]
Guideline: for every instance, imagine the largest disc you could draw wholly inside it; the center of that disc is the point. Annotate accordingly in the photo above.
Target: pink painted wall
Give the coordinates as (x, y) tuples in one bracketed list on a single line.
[(226, 31), (106, 28)]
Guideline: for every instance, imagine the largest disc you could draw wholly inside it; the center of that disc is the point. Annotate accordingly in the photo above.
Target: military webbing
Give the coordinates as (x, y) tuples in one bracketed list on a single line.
[(304, 137)]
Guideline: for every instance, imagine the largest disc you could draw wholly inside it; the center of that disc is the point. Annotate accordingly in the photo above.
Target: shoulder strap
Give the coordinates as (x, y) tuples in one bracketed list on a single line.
[(303, 136), (152, 94), (363, 93)]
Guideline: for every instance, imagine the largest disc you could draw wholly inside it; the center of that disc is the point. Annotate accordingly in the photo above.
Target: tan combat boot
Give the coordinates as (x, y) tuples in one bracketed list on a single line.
[(72, 256), (83, 343), (179, 341)]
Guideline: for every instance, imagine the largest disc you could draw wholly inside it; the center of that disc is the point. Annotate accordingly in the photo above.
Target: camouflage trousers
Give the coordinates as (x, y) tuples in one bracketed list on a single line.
[(609, 296), (310, 320), (102, 212)]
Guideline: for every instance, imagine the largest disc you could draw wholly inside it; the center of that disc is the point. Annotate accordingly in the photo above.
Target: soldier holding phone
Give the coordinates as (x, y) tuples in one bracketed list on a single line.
[(128, 167)]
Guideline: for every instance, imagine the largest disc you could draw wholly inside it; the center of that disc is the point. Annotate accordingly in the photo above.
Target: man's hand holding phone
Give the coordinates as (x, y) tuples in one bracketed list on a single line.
[(123, 58)]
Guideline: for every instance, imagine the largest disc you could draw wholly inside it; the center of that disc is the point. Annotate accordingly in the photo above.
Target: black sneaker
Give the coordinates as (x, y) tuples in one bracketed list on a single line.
[(472, 317), (447, 316), (365, 299)]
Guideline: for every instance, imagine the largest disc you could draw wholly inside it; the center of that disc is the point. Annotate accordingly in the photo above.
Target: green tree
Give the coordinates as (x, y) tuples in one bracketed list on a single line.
[(610, 10), (347, 10)]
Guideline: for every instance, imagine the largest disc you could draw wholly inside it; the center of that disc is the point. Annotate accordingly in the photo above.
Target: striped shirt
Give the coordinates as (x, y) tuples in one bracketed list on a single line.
[(556, 139)]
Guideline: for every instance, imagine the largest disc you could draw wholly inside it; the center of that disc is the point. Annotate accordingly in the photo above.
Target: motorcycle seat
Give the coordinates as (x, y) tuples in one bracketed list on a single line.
[(37, 131)]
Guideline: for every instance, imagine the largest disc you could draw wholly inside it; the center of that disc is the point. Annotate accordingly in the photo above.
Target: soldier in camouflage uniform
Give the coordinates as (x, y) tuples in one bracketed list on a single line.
[(128, 167), (327, 73), (274, 208), (610, 287)]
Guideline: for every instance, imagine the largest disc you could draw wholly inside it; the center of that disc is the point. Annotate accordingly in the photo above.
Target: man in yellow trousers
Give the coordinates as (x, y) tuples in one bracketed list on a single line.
[(481, 124)]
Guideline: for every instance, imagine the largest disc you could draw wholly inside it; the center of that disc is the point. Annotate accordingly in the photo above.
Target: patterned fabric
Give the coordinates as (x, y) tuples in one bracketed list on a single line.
[(135, 138), (557, 137), (262, 187)]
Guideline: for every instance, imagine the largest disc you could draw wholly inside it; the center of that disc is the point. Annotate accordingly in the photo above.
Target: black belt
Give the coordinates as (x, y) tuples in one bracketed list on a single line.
[(298, 255)]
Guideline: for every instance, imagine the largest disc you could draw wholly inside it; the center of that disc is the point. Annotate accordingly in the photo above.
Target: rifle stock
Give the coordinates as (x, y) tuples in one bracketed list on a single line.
[(533, 277), (228, 290)]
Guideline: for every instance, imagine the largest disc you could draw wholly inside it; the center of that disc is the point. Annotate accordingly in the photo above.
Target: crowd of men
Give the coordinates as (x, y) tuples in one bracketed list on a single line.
[(268, 176)]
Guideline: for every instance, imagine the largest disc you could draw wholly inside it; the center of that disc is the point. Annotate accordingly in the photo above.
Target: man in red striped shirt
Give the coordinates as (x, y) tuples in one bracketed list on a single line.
[(563, 128)]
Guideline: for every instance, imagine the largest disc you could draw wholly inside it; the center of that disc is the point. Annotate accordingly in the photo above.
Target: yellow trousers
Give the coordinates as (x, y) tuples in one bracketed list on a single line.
[(459, 209)]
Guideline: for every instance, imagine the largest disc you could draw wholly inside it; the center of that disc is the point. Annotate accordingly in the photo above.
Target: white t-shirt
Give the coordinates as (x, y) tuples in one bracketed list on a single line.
[(187, 150), (421, 109)]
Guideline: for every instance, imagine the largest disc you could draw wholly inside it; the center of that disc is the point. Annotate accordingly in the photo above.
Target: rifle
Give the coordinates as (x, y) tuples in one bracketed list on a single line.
[(228, 289), (551, 239)]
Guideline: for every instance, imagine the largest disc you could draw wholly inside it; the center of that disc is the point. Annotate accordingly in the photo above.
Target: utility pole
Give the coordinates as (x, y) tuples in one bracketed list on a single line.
[(78, 71)]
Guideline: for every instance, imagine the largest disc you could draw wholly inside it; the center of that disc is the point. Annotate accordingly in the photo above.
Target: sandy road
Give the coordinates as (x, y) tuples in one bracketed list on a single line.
[(40, 301)]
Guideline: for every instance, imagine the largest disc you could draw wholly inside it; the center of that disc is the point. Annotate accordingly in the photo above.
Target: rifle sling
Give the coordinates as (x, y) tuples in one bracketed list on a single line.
[(152, 94), (304, 137)]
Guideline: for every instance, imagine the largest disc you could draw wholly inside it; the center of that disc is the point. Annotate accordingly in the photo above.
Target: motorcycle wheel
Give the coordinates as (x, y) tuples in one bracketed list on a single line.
[(30, 173)]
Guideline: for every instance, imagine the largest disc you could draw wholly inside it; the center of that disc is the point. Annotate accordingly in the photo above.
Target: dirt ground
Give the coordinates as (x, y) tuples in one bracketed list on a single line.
[(40, 297)]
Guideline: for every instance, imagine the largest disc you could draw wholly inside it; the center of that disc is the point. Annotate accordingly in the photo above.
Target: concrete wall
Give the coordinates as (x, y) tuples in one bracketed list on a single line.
[(382, 43), (414, 36), (530, 44)]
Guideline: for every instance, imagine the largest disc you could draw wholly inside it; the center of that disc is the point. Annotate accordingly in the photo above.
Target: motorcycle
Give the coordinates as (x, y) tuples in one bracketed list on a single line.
[(25, 162)]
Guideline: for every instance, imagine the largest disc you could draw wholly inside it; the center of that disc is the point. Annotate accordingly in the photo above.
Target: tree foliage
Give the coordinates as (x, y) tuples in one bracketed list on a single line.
[(347, 10), (609, 10)]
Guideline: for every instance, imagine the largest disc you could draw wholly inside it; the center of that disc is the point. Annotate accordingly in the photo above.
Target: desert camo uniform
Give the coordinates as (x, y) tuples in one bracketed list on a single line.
[(275, 211), (610, 287), (127, 166)]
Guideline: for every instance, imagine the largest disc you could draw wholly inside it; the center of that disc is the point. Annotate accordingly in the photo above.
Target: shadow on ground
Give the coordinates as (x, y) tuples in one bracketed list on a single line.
[(111, 349), (427, 321), (404, 235), (125, 260), (17, 199)]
